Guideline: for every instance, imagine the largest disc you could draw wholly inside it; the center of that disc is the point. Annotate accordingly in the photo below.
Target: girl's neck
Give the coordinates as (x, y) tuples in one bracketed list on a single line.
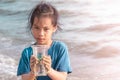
[(48, 44)]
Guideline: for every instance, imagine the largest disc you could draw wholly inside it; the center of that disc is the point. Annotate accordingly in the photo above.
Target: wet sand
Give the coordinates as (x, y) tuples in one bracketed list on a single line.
[(102, 64)]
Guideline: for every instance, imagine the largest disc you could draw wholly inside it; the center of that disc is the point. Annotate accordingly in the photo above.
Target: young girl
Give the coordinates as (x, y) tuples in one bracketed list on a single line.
[(43, 23)]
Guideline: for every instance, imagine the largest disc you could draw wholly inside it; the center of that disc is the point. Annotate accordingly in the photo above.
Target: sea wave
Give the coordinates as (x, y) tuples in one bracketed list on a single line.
[(7, 68), (4, 12), (7, 1)]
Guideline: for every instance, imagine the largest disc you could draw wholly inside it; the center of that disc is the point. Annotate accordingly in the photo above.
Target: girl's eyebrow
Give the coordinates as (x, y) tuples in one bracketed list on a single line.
[(35, 25)]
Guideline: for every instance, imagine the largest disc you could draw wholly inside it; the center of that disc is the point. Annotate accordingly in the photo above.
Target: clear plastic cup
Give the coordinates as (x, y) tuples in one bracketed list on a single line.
[(39, 51)]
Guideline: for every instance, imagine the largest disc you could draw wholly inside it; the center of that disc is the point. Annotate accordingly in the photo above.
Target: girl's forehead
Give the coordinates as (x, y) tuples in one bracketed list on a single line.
[(43, 21)]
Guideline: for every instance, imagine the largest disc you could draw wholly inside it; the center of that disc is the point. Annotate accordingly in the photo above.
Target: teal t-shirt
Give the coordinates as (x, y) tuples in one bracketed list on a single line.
[(59, 55)]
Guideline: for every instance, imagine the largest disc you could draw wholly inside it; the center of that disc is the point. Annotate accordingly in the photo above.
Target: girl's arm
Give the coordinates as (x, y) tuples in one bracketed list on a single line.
[(31, 75), (53, 74)]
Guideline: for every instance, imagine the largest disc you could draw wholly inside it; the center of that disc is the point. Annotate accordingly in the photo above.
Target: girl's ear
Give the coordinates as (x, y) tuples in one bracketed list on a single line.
[(55, 29)]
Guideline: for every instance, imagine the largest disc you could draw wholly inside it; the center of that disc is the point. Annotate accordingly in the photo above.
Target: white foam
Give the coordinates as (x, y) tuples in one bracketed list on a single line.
[(5, 42), (8, 68)]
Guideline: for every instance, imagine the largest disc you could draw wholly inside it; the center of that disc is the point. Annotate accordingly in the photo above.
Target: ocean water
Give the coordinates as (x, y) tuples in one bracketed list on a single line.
[(91, 29)]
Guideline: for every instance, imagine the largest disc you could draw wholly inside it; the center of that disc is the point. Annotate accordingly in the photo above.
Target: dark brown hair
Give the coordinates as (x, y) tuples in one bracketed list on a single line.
[(44, 9)]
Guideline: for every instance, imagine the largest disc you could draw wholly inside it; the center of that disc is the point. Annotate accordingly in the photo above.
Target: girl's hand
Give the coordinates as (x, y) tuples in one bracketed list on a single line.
[(33, 62), (47, 62)]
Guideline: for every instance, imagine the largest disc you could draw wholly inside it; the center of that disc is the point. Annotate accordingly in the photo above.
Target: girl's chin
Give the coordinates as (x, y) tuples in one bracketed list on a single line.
[(41, 44)]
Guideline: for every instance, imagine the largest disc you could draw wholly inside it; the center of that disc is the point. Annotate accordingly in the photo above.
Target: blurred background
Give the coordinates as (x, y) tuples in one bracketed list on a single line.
[(91, 29)]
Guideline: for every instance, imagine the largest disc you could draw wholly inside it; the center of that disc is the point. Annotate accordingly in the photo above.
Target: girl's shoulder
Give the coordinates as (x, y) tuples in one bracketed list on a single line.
[(59, 44), (27, 51), (28, 48)]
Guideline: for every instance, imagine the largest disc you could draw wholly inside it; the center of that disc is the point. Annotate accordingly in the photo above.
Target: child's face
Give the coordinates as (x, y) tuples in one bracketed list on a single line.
[(42, 30)]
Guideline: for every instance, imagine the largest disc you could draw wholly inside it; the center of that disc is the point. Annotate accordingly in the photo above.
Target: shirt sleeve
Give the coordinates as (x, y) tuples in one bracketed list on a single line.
[(63, 59), (24, 63)]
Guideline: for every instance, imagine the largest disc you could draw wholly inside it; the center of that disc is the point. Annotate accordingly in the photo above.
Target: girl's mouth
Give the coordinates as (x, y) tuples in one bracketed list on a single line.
[(41, 39)]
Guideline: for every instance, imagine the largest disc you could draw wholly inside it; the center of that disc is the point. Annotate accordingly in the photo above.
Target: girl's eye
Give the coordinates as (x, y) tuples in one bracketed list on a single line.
[(35, 27), (46, 28)]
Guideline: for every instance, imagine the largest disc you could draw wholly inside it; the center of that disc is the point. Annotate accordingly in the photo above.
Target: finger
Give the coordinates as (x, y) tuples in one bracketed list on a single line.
[(47, 61), (32, 56), (32, 63), (48, 64), (33, 59), (47, 58), (47, 67), (32, 66)]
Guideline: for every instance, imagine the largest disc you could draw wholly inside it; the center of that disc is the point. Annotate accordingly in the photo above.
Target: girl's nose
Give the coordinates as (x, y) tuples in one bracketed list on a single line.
[(41, 32)]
